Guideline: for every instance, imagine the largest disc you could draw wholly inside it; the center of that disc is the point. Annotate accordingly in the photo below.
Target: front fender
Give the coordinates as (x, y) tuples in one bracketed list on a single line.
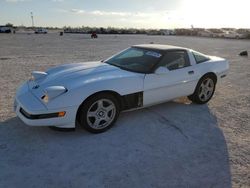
[(76, 95)]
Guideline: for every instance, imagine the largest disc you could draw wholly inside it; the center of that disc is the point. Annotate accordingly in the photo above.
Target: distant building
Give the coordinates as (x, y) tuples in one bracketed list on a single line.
[(205, 33)]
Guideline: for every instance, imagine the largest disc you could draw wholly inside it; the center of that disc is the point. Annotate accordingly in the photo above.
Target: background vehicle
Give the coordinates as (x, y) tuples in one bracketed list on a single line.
[(4, 29), (234, 35), (94, 35), (94, 93), (41, 31)]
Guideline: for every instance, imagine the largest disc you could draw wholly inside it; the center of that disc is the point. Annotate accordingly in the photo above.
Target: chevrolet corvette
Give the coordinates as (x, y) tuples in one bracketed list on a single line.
[(92, 94)]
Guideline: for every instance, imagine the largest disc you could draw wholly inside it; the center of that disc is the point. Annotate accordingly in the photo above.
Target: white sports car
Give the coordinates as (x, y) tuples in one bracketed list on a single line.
[(94, 93)]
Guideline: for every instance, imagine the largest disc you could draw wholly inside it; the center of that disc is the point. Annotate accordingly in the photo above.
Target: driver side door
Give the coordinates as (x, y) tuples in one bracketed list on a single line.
[(178, 80)]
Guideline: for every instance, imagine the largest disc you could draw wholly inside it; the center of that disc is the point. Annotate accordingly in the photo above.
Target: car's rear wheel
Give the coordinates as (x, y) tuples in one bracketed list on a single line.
[(99, 113), (204, 90)]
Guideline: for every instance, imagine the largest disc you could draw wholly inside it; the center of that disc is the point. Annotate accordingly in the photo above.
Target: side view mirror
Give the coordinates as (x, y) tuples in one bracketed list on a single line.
[(161, 70)]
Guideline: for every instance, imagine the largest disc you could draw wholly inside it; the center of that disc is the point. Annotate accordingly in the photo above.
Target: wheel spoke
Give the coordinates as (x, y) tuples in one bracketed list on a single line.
[(99, 104), (97, 122), (202, 85), (209, 83), (210, 89), (109, 108), (91, 114), (206, 82), (200, 95), (205, 97), (107, 118)]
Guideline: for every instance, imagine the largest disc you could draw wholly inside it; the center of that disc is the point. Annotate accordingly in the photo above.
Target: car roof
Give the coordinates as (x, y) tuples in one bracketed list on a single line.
[(161, 47)]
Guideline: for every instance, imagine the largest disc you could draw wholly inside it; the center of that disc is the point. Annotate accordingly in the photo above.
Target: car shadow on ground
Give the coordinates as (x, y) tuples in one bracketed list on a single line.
[(169, 145)]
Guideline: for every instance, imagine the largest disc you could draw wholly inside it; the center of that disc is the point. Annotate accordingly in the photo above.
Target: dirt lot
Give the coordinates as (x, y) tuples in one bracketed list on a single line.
[(176, 144)]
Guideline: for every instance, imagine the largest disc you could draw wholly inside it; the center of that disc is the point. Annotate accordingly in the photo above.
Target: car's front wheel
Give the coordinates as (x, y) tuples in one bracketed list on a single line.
[(99, 113), (204, 90)]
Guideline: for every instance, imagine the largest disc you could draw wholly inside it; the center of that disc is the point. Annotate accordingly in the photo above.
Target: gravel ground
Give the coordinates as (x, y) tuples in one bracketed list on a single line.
[(176, 144)]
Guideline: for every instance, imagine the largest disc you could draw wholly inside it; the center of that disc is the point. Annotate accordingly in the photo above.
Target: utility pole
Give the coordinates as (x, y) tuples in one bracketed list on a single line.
[(32, 19)]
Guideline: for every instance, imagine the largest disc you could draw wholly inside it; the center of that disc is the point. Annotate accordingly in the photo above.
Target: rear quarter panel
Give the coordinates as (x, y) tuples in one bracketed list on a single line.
[(216, 65)]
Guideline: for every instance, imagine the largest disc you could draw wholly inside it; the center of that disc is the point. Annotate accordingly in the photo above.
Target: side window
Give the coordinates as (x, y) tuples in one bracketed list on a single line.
[(200, 58), (175, 60)]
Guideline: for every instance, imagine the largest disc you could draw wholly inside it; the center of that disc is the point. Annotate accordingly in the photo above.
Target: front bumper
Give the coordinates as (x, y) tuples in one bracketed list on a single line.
[(34, 113), (41, 116)]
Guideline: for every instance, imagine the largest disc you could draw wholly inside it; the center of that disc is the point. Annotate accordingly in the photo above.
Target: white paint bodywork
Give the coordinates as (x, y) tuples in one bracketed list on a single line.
[(82, 80)]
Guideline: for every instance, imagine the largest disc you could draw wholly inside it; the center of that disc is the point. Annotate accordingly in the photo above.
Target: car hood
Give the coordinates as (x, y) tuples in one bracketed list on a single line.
[(76, 74), (65, 73)]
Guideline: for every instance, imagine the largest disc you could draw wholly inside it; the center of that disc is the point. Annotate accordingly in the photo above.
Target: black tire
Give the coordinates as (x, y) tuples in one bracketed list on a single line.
[(88, 122), (199, 98)]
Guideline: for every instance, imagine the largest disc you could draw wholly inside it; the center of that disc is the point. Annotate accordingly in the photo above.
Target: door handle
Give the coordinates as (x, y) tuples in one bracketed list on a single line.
[(190, 72)]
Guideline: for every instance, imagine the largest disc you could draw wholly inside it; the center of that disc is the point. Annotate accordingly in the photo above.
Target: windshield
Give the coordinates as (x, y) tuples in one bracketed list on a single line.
[(136, 60)]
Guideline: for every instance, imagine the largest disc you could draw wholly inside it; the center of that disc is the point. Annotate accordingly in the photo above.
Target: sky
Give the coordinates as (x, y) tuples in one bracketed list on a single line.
[(149, 14)]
